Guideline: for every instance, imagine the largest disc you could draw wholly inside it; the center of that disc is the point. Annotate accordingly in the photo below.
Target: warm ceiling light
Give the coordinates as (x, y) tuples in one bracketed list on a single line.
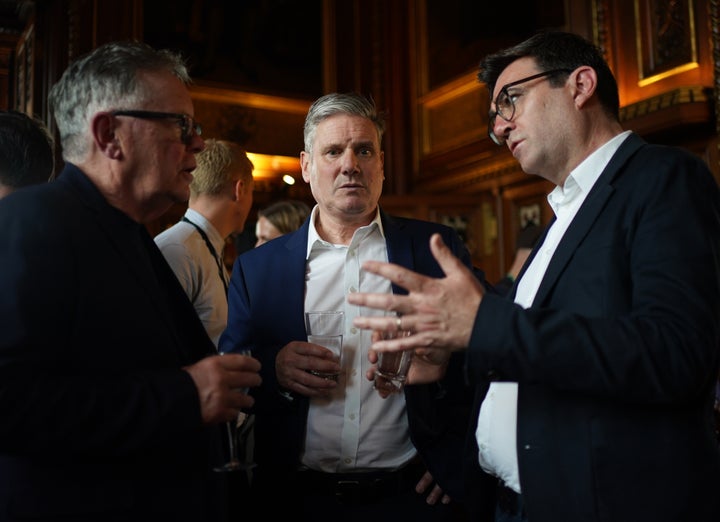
[(287, 178), (271, 167)]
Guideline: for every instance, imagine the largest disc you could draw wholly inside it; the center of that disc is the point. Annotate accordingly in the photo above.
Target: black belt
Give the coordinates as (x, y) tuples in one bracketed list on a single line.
[(508, 501), (361, 487)]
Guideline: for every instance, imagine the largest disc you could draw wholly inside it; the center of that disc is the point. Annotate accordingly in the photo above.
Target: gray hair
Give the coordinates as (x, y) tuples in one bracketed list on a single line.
[(105, 79), (335, 103)]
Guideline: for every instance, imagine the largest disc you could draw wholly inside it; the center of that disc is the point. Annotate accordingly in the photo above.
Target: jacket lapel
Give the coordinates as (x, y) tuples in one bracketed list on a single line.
[(586, 216), (399, 246)]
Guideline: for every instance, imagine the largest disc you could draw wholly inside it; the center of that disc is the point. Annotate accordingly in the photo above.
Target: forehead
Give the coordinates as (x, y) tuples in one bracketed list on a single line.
[(517, 70), (166, 92), (341, 129)]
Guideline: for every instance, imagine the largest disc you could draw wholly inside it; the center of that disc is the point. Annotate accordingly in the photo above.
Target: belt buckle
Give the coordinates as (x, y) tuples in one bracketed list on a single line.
[(348, 491)]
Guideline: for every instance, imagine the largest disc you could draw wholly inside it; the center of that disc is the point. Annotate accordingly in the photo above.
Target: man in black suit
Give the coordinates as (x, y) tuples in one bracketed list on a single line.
[(110, 397), (595, 386)]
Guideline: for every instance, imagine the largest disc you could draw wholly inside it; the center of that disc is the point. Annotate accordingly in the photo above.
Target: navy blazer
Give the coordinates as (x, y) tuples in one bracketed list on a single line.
[(618, 355), (266, 304), (99, 422)]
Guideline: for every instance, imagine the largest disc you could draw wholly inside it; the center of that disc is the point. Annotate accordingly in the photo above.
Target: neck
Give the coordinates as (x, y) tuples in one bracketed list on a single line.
[(217, 213), (340, 231)]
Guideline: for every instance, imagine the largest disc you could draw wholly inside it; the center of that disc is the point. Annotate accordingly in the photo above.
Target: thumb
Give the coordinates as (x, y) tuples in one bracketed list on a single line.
[(446, 259)]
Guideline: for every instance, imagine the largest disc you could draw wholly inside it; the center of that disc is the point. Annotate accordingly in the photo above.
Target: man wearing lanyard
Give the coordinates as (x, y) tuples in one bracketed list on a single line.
[(221, 195)]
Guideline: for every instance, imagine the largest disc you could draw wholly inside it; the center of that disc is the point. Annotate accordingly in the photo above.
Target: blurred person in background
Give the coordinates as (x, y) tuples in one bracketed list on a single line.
[(221, 195), (280, 218), (26, 152)]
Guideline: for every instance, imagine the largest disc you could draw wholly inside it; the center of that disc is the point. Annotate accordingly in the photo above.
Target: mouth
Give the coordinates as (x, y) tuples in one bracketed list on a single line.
[(351, 186), (188, 172)]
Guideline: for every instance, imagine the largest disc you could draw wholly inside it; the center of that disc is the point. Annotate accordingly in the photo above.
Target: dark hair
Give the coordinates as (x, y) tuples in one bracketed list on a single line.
[(26, 150), (557, 50)]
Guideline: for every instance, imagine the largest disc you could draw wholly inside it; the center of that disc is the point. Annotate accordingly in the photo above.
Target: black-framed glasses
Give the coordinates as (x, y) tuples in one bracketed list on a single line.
[(505, 102), (189, 128)]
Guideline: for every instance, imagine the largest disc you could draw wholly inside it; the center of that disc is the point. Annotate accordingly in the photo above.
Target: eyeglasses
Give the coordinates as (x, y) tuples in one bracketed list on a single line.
[(505, 103), (189, 128)]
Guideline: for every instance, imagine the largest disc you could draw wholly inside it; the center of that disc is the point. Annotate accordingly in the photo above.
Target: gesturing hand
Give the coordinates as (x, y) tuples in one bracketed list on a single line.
[(439, 312)]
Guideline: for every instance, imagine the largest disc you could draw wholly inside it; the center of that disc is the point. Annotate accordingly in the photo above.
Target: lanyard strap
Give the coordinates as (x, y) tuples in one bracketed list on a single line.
[(211, 248)]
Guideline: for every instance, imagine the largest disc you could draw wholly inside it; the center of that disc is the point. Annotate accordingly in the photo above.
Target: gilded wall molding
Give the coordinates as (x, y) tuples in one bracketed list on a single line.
[(714, 16), (666, 100)]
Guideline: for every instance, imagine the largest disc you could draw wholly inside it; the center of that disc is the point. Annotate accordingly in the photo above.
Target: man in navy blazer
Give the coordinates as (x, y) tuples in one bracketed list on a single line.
[(594, 388), (110, 392), (304, 422)]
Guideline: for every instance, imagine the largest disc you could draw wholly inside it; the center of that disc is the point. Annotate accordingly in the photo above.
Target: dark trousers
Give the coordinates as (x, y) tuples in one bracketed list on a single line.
[(510, 506), (353, 497)]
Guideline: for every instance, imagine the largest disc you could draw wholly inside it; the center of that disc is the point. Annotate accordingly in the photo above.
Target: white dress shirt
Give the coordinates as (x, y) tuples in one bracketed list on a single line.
[(497, 422), (354, 429)]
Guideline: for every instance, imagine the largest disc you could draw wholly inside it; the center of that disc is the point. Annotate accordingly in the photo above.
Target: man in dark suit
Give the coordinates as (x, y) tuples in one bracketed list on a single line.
[(338, 450), (595, 386), (110, 398)]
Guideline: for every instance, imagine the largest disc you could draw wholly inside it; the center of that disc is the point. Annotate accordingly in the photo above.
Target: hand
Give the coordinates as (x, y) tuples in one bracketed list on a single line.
[(425, 367), (436, 493), (439, 311), (293, 363), (219, 379)]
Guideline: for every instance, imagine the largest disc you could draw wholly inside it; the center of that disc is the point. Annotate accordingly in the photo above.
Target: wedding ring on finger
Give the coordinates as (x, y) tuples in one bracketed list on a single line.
[(398, 322)]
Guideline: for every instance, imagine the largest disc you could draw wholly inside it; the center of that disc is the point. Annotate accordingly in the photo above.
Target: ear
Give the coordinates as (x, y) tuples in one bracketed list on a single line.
[(239, 190), (584, 84), (103, 132), (305, 166)]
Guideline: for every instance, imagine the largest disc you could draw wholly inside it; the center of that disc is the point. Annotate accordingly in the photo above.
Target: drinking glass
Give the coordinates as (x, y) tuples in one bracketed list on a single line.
[(392, 367), (234, 463), (326, 329)]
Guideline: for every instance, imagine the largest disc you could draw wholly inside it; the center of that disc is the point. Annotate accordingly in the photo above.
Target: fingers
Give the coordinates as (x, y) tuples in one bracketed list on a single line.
[(305, 383), (305, 368), (236, 361), (436, 493), (219, 380)]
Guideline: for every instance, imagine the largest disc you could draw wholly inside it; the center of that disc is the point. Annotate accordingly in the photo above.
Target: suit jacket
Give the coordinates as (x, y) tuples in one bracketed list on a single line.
[(266, 305), (99, 422), (617, 356)]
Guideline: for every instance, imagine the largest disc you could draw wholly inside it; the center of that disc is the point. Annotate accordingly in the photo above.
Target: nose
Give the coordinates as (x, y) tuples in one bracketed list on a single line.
[(349, 163), (501, 129)]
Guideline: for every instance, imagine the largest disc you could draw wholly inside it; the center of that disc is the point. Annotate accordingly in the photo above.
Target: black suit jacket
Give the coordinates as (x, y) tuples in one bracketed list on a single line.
[(99, 422), (266, 304), (617, 357)]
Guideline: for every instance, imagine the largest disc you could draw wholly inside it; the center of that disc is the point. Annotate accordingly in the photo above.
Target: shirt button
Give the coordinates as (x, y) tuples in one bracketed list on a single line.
[(352, 289), (353, 330), (348, 461)]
